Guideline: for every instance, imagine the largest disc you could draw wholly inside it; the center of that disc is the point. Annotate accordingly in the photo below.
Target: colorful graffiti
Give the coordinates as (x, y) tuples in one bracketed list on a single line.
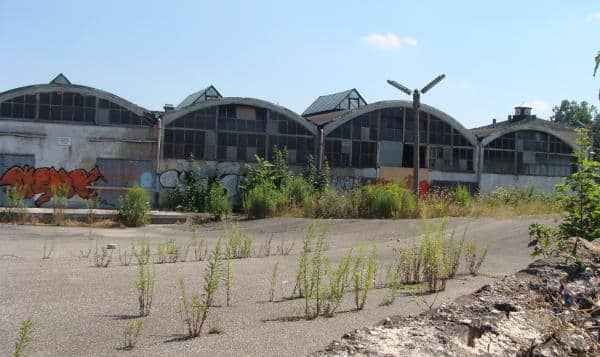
[(40, 180), (423, 186)]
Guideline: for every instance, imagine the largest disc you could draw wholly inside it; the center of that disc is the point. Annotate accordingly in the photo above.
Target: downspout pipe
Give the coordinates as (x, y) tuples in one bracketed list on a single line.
[(157, 160)]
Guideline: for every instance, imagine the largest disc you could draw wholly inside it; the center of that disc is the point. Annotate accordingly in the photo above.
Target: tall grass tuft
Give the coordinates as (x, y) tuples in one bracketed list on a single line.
[(194, 310), (363, 274), (198, 245), (237, 244), (393, 278), (474, 257), (131, 332), (59, 203), (144, 284), (338, 283), (273, 285), (228, 277), (313, 266), (167, 252), (23, 338)]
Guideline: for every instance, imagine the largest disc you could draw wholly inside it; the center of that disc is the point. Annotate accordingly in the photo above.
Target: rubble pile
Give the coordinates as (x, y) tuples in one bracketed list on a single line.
[(548, 309)]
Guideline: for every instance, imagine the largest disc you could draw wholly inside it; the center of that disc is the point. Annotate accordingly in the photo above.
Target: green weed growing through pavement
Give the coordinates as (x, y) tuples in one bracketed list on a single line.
[(131, 332), (194, 310), (23, 338)]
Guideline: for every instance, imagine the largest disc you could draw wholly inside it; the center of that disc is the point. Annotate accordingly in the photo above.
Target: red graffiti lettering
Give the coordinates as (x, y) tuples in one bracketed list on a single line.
[(41, 180), (423, 186)]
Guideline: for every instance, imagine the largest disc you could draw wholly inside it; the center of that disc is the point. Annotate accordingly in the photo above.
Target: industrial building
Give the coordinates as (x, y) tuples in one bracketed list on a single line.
[(99, 143)]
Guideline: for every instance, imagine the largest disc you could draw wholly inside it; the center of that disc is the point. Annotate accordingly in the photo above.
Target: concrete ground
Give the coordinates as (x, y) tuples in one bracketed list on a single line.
[(81, 214), (78, 309)]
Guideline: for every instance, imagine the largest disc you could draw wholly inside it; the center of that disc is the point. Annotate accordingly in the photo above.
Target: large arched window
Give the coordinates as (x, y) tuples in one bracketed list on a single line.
[(390, 131), (70, 107), (528, 152), (187, 135), (236, 132)]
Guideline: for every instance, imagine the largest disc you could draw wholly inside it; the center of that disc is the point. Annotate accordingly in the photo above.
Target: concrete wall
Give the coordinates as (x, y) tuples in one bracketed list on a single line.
[(435, 175), (72, 148), (489, 182), (230, 174)]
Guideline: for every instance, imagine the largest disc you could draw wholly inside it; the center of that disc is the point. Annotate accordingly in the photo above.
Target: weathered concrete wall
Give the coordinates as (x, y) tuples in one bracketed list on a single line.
[(73, 147), (230, 174), (489, 182), (435, 175), (346, 178)]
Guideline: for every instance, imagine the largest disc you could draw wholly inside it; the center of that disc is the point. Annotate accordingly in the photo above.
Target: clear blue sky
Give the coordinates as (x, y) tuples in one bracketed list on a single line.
[(495, 54)]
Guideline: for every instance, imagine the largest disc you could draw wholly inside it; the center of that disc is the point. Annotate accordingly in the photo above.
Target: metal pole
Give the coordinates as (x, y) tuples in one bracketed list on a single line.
[(416, 132)]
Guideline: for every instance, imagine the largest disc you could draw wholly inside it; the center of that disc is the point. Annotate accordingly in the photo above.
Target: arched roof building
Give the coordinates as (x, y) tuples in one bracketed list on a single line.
[(62, 101), (236, 129)]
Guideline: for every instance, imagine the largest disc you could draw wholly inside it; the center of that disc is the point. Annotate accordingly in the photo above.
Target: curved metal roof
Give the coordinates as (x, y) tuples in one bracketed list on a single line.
[(349, 115), (56, 86), (176, 114), (567, 136)]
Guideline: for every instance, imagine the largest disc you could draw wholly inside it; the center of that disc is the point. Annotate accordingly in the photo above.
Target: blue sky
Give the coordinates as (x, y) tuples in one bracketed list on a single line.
[(495, 54)]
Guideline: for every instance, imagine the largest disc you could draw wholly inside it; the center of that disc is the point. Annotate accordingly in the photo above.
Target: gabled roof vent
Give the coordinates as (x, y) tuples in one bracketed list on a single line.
[(61, 79), (348, 99)]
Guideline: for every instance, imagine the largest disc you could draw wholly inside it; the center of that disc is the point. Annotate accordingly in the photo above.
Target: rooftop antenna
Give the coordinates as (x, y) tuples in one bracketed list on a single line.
[(416, 94)]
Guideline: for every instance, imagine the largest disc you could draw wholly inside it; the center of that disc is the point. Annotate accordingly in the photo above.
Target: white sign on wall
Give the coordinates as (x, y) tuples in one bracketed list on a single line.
[(64, 141)]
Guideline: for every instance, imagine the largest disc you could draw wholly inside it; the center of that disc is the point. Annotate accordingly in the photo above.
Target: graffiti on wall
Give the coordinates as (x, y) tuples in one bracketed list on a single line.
[(40, 180), (170, 179)]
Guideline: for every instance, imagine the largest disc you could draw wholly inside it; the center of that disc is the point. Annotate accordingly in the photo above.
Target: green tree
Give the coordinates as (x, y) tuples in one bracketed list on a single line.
[(579, 115), (575, 114), (581, 195), (597, 60)]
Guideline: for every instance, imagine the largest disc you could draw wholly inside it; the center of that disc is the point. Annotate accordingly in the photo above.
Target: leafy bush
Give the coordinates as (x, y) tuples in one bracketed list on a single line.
[(217, 202), (134, 207), (263, 200), (388, 200), (197, 192), (581, 194), (331, 204), (580, 197), (15, 204), (297, 190), (542, 239), (462, 196)]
